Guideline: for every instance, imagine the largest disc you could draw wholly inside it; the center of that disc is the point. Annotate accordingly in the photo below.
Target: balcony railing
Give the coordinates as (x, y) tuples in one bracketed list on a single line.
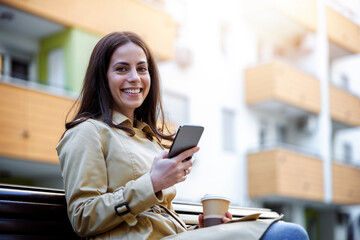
[(34, 84), (31, 121), (278, 81), (344, 107), (288, 170), (342, 31), (285, 173), (346, 184)]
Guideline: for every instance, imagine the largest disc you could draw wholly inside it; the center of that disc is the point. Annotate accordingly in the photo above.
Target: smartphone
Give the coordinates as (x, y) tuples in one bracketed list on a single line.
[(187, 136)]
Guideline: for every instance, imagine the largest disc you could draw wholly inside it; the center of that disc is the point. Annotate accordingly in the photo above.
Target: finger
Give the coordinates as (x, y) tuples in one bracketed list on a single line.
[(183, 178), (186, 154), (187, 164), (164, 154), (190, 162), (228, 215), (201, 220), (225, 219)]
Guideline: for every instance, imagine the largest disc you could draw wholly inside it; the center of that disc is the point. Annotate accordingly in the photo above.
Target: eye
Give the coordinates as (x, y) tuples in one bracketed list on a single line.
[(120, 69), (142, 69)]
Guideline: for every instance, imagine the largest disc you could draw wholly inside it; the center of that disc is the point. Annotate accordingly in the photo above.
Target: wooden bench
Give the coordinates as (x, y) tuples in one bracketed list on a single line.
[(33, 213), (40, 213)]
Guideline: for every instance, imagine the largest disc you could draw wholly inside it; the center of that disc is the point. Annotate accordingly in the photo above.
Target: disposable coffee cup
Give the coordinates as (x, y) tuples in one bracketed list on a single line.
[(214, 208)]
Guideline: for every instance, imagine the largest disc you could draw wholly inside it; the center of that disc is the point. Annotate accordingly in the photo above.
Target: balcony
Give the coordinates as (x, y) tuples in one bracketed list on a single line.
[(344, 107), (303, 12), (31, 123), (277, 86), (101, 17), (346, 184), (284, 173), (342, 31), (281, 22)]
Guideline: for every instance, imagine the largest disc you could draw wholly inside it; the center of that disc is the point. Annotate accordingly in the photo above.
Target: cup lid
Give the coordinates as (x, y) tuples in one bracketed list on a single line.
[(214, 196)]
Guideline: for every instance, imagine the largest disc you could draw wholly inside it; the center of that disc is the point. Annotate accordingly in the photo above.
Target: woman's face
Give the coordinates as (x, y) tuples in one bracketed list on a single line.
[(129, 78)]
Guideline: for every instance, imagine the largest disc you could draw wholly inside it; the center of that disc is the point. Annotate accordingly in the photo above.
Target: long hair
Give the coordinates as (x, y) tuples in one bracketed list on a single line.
[(95, 100)]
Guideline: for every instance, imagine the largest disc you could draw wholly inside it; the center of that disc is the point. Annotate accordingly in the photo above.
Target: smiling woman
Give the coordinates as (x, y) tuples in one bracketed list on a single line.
[(116, 174), (119, 181), (129, 78), (112, 58)]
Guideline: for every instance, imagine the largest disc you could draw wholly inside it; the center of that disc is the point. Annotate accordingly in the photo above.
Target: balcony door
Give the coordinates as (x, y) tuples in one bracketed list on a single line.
[(56, 68)]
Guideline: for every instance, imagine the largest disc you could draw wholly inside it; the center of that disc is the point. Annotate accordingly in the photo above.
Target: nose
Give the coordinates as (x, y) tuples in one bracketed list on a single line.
[(133, 75)]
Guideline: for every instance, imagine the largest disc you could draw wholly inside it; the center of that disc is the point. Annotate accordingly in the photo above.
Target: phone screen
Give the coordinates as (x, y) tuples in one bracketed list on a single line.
[(187, 136)]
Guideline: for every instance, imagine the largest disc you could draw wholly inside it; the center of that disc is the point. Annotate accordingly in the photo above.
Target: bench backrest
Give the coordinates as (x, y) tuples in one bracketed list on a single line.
[(40, 213), (33, 213)]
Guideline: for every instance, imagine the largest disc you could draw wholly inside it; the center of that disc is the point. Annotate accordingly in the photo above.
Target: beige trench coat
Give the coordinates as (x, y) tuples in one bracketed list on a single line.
[(109, 191)]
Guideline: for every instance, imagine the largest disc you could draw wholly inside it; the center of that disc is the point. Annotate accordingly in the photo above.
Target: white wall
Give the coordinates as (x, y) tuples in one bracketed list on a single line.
[(213, 81)]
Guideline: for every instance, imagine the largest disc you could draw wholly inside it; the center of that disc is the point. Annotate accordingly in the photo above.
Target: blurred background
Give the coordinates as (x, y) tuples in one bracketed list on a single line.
[(276, 84)]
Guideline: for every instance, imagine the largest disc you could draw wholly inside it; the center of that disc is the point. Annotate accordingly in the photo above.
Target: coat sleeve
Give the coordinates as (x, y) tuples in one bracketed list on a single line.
[(91, 208)]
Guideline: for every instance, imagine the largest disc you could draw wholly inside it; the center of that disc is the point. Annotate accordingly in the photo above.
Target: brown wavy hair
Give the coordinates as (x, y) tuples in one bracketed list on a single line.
[(95, 100)]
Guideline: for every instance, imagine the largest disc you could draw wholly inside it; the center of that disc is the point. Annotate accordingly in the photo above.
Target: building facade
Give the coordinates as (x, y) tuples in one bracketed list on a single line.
[(44, 51), (274, 83)]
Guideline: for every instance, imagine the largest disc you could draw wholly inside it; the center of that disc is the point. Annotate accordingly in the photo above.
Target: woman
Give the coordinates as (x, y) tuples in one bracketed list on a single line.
[(118, 180)]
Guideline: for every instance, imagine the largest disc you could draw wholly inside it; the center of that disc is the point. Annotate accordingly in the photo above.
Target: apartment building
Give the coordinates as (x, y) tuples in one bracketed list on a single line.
[(275, 83), (272, 82), (304, 77), (44, 50)]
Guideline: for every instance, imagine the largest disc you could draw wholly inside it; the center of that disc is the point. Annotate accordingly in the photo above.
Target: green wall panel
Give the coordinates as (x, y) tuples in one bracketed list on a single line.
[(58, 40), (77, 46), (81, 45)]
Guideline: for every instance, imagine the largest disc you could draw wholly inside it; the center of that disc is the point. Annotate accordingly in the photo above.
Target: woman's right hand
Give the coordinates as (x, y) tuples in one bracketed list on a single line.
[(166, 172)]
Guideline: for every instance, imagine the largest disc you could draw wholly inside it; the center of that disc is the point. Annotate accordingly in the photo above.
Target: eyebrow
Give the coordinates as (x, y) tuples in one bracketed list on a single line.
[(127, 64)]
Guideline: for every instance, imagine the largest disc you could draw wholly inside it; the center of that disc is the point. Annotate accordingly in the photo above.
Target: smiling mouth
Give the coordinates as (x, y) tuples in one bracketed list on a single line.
[(132, 91)]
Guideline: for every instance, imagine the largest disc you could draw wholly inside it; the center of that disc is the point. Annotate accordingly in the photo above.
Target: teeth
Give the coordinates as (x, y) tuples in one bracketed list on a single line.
[(132, 90)]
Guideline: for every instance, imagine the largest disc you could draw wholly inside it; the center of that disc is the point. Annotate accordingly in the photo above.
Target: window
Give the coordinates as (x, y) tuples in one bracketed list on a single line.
[(281, 132), (262, 133), (19, 69), (345, 81), (228, 130), (348, 152), (1, 65)]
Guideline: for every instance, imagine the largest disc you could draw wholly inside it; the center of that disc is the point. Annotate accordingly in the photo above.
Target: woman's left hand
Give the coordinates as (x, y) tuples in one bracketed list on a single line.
[(227, 217)]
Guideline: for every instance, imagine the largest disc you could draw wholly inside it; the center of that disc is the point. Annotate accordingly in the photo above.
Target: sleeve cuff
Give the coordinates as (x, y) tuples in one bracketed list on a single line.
[(142, 195), (136, 197)]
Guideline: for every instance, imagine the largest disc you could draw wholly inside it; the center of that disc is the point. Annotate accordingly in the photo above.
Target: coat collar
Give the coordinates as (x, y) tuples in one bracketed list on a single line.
[(120, 119)]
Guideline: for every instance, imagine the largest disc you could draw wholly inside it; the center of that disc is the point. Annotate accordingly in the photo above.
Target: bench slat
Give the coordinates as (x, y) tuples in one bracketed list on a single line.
[(36, 237), (28, 210), (26, 226), (32, 196)]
